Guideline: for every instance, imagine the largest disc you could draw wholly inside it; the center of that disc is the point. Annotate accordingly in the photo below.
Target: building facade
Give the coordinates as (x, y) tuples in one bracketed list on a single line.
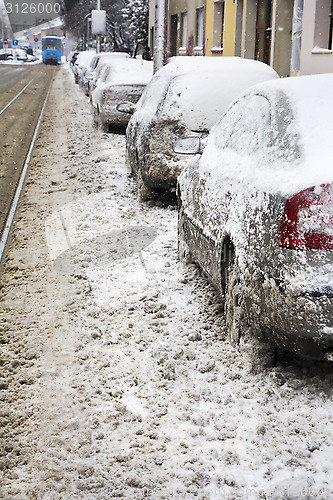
[(293, 36), (316, 54)]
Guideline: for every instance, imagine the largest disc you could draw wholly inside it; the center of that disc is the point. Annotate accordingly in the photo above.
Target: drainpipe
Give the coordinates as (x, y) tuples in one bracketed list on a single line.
[(331, 28), (273, 29)]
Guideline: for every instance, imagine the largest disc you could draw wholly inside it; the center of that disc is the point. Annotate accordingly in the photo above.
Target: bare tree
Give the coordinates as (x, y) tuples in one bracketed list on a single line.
[(136, 14), (75, 14)]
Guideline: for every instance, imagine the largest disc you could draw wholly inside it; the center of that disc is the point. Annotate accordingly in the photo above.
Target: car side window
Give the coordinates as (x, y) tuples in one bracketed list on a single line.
[(106, 74), (245, 127)]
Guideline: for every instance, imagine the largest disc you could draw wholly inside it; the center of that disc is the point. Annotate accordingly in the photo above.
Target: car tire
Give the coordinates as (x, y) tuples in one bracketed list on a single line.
[(233, 303), (144, 192), (128, 164), (184, 254), (95, 117), (105, 127), (248, 339)]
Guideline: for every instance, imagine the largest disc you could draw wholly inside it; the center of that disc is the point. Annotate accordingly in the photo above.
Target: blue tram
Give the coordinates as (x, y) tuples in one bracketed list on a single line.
[(52, 49)]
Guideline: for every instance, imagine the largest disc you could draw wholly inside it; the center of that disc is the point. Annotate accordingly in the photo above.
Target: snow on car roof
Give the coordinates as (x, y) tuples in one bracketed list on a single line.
[(210, 82), (202, 100), (130, 71), (124, 72), (110, 56), (311, 102), (84, 58)]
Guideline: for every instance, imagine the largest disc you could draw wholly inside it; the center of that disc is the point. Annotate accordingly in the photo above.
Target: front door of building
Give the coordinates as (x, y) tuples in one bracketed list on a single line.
[(263, 31)]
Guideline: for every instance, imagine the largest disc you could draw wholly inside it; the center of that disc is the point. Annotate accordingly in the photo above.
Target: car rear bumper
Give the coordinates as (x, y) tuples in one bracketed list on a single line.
[(109, 115), (299, 320)]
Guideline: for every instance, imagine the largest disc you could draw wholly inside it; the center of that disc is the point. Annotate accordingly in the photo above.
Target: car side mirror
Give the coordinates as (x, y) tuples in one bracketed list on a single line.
[(126, 107), (188, 146)]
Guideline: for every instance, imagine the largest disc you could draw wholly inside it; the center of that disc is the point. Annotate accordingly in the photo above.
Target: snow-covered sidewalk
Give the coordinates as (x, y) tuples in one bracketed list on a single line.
[(117, 379)]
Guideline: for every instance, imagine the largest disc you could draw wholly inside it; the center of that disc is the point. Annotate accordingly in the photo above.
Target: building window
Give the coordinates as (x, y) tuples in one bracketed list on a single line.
[(323, 25), (218, 26), (183, 30), (173, 35), (263, 31), (200, 28)]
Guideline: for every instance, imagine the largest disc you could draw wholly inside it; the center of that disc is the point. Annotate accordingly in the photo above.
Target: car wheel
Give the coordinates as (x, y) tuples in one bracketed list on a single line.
[(233, 309), (128, 163), (105, 127), (144, 192), (247, 338), (95, 117), (184, 253)]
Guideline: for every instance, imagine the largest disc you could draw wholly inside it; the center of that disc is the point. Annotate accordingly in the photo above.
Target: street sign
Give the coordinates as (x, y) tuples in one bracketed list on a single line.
[(35, 39), (98, 22), (5, 41), (15, 42)]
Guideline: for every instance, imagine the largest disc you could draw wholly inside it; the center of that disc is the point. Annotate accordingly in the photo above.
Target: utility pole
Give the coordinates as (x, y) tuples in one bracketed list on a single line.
[(160, 39), (98, 48), (98, 24)]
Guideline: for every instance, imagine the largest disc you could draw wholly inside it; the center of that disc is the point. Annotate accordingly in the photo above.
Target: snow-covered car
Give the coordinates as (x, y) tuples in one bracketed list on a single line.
[(7, 55), (81, 65), (256, 213), (21, 55), (97, 68), (124, 79), (187, 95), (13, 55)]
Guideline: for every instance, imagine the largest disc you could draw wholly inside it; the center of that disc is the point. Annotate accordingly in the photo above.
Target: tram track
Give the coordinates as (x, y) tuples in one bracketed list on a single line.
[(20, 120), (17, 95)]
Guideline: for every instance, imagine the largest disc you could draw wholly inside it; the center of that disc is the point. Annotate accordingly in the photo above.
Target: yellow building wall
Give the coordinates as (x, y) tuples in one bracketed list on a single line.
[(229, 29)]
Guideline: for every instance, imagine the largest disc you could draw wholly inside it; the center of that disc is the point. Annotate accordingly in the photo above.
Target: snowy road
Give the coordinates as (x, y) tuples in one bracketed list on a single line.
[(117, 380)]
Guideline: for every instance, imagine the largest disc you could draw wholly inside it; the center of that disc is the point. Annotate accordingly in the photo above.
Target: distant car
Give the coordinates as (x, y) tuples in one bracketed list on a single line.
[(13, 55), (7, 55), (21, 55), (256, 213), (81, 64), (187, 95), (124, 79)]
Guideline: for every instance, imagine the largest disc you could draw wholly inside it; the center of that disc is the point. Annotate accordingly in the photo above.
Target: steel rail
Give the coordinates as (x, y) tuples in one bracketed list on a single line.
[(14, 204), (18, 95)]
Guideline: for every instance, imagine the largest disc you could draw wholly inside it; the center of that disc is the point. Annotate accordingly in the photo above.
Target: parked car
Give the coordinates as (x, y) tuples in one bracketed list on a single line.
[(13, 55), (123, 79), (256, 213), (7, 55), (97, 68), (81, 64), (187, 95)]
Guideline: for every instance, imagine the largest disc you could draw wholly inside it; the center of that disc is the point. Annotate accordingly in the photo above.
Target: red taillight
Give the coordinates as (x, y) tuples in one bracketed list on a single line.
[(307, 221)]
